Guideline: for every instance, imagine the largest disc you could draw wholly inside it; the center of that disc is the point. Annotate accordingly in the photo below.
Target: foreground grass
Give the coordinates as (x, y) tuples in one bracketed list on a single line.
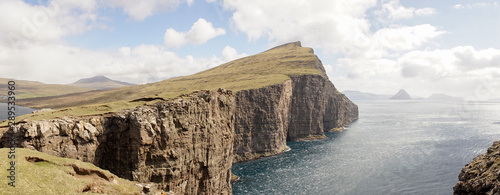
[(55, 175), (260, 70)]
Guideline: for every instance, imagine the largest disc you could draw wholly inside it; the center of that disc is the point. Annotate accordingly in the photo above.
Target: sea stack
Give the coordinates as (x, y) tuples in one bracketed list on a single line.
[(401, 95)]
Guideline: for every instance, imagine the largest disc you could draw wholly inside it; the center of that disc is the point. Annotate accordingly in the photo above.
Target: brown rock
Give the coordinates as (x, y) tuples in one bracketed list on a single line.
[(481, 176)]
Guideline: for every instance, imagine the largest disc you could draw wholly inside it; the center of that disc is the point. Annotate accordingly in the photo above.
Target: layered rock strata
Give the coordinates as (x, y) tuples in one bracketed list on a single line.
[(185, 145), (481, 175)]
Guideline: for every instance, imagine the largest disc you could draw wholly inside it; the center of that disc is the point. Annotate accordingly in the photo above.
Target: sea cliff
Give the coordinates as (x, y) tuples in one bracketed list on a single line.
[(187, 144), (301, 108)]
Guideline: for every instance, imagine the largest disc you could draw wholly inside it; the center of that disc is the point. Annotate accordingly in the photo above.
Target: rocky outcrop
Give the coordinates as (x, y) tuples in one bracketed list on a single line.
[(184, 145), (482, 175)]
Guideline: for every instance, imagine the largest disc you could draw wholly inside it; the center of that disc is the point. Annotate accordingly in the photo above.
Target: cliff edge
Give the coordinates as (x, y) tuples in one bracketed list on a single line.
[(302, 107)]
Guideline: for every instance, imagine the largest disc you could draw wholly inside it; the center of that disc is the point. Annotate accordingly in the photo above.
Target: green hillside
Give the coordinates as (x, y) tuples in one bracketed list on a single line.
[(263, 69), (40, 173), (31, 89)]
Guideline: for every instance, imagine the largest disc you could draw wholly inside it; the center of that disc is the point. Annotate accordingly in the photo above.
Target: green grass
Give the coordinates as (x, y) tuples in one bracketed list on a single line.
[(260, 70), (56, 176), (31, 89)]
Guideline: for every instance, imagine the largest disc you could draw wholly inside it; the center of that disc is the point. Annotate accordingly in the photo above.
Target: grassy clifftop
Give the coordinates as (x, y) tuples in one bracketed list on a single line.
[(267, 68), (39, 173)]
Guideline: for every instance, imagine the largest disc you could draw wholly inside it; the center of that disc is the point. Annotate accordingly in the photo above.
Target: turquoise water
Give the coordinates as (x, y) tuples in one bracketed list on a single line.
[(19, 111), (395, 147)]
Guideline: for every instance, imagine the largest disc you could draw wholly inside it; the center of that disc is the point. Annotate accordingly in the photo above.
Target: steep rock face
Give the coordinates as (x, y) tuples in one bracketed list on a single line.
[(482, 175), (301, 108), (317, 107), (261, 121), (184, 145)]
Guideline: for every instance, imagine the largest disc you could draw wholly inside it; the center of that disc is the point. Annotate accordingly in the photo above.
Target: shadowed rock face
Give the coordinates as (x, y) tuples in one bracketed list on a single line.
[(482, 175), (261, 121), (185, 145), (317, 107)]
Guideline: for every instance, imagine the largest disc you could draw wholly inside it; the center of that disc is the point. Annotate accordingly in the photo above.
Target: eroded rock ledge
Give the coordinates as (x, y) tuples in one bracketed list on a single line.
[(482, 174)]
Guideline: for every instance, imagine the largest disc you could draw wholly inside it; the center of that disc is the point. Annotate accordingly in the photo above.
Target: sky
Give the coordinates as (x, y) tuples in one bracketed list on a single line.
[(376, 46)]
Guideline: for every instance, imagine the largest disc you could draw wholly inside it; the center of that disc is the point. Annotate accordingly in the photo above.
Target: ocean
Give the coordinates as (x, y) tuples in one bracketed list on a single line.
[(19, 111), (395, 147)]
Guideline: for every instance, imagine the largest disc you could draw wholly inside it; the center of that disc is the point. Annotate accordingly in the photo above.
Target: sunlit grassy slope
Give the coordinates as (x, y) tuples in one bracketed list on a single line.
[(31, 89), (263, 69), (41, 173)]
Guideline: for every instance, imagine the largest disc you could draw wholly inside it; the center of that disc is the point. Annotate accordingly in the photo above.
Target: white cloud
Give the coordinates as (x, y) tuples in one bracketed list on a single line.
[(454, 62), (338, 27), (460, 71), (475, 5), (139, 10), (229, 53), (200, 33), (125, 51), (398, 38), (34, 23), (425, 11), (393, 10), (366, 68), (457, 70)]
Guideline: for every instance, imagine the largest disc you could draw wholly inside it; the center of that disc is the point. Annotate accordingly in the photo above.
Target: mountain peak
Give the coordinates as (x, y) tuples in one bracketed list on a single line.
[(401, 95), (99, 82), (93, 79)]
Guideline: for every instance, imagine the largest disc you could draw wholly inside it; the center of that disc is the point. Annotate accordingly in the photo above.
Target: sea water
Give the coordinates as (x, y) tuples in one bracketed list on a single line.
[(395, 147), (4, 112)]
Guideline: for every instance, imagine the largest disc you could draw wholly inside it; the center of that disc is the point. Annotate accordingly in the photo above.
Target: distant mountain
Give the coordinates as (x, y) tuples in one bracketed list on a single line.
[(401, 95), (358, 95), (31, 89), (99, 82), (443, 97)]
